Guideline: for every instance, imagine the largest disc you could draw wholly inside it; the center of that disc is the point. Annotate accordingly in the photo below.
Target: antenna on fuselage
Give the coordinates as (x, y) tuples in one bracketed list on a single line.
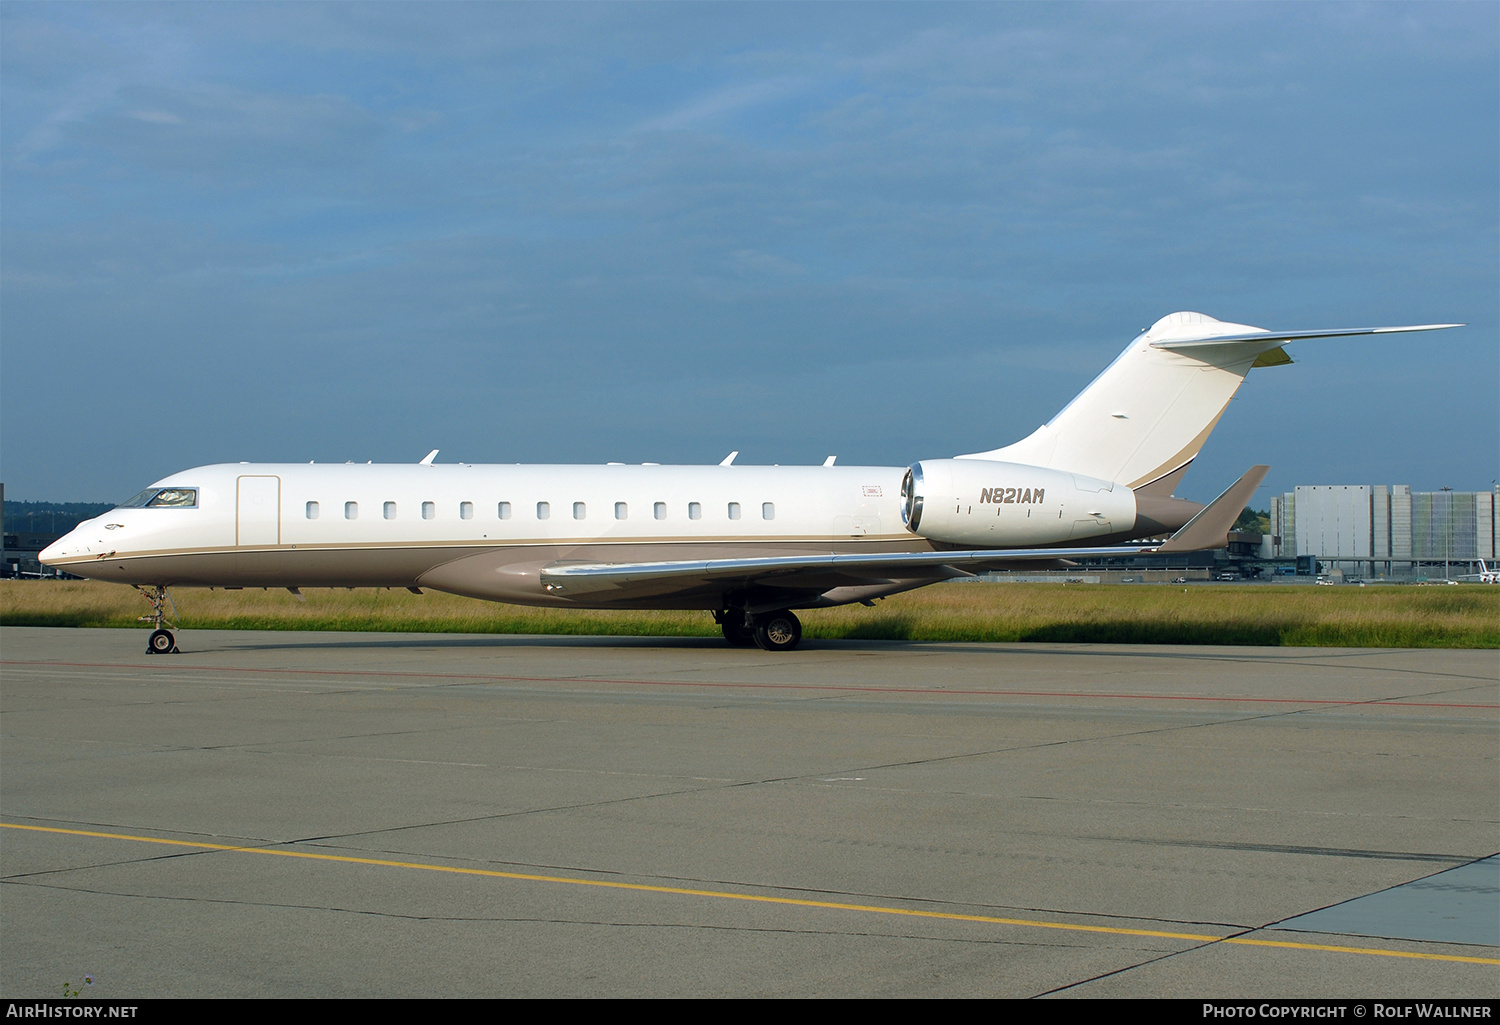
[(428, 458), (729, 459)]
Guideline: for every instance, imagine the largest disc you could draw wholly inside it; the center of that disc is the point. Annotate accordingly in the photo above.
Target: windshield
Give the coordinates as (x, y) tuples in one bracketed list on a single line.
[(157, 498)]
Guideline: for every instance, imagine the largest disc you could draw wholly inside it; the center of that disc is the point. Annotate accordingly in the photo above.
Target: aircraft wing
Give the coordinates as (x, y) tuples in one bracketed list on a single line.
[(819, 572), (814, 572)]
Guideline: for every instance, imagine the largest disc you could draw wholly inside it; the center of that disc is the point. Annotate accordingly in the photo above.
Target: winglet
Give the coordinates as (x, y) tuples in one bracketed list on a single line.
[(428, 458), (1210, 528)]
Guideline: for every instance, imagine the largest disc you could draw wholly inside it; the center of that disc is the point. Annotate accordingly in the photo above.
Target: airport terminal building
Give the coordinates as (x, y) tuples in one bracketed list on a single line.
[(1385, 531)]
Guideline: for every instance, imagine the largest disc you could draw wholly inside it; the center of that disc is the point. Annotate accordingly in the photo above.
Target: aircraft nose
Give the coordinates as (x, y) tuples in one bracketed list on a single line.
[(56, 551), (75, 544)]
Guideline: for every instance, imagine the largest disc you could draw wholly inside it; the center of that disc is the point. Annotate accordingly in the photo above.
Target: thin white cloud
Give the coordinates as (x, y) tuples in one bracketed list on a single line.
[(726, 101), (156, 117), (86, 97), (751, 261)]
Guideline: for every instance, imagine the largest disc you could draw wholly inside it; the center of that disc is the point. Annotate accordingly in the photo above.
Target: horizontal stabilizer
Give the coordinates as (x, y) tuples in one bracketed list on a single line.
[(1282, 337), (1210, 528)]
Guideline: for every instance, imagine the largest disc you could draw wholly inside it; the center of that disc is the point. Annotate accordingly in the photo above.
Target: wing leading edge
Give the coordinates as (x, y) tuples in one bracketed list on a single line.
[(830, 570), (820, 572)]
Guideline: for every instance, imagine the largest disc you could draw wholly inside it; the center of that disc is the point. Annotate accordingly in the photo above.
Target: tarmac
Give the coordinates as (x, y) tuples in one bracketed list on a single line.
[(359, 815)]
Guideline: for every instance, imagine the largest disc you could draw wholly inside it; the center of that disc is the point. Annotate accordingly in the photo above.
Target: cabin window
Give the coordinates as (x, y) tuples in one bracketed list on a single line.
[(351, 510), (312, 510), (505, 510), (695, 511), (659, 510), (734, 510), (428, 510), (466, 510), (768, 510), (622, 511), (543, 510), (390, 510), (580, 511)]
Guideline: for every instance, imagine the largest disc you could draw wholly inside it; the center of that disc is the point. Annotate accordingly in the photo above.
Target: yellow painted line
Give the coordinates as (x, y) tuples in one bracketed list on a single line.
[(760, 899)]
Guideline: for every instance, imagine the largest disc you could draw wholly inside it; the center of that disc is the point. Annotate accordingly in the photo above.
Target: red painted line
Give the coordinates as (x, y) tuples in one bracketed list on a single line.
[(742, 686)]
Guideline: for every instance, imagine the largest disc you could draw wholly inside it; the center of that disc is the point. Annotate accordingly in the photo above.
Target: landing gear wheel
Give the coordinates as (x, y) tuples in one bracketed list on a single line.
[(161, 641), (778, 631), (732, 623)]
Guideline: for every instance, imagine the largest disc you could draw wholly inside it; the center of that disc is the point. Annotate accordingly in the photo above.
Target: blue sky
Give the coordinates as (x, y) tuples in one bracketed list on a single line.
[(579, 233)]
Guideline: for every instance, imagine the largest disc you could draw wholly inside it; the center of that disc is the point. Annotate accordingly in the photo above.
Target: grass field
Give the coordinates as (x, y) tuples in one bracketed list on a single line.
[(1467, 616)]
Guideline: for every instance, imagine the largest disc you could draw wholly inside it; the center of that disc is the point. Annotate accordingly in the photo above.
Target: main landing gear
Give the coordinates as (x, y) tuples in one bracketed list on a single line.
[(736, 632), (772, 631), (161, 641)]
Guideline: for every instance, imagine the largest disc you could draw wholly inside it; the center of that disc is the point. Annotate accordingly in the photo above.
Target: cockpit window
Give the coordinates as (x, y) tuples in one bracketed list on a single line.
[(158, 498)]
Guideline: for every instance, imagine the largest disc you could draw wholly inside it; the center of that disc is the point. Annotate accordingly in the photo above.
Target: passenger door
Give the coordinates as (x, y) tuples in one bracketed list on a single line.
[(258, 511)]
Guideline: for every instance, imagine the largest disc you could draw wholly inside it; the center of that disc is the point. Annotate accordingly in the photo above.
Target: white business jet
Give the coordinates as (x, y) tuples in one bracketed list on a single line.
[(748, 543)]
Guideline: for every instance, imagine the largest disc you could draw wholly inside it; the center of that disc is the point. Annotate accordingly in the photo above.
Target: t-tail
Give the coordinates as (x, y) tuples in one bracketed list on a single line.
[(1143, 420)]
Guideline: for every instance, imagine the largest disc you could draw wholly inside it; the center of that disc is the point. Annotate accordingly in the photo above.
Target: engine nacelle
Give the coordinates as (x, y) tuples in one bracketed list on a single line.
[(989, 504)]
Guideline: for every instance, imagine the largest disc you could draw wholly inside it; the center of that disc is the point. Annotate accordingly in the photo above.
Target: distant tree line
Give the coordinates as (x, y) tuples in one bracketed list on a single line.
[(1254, 521), (50, 517)]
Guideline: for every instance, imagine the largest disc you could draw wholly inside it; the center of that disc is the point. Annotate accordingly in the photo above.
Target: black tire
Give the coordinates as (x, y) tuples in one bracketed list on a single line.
[(778, 631), (160, 642), (735, 631)]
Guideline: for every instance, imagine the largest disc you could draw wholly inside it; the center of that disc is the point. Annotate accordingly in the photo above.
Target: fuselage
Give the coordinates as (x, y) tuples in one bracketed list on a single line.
[(751, 543), (487, 531)]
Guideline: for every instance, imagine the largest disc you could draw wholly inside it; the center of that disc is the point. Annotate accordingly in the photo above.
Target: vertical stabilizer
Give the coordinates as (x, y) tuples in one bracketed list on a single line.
[(1149, 413)]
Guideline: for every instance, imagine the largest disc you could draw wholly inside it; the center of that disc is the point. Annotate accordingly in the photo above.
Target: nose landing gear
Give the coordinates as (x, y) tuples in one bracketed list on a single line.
[(161, 641)]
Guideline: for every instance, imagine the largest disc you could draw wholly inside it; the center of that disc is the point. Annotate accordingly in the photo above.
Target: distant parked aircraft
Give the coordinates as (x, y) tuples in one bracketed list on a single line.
[(1484, 576)]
